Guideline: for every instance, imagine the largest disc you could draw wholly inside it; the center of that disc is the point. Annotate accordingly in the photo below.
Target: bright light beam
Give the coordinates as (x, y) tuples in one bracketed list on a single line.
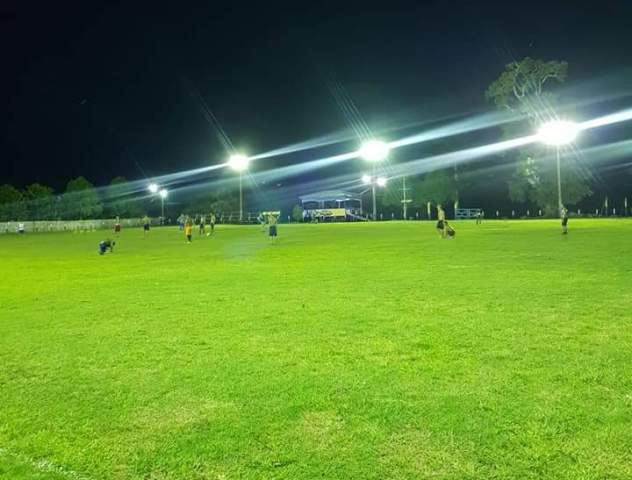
[(622, 116)]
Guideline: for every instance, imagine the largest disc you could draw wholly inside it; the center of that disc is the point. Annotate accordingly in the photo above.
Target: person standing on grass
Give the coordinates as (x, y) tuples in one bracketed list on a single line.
[(146, 224), (564, 215), (202, 224), (441, 223), (188, 229), (117, 226), (272, 227), (212, 223)]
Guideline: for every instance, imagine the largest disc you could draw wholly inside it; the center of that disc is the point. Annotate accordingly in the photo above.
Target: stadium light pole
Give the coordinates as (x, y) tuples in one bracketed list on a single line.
[(163, 194), (374, 182), (558, 133), (239, 163), (374, 151)]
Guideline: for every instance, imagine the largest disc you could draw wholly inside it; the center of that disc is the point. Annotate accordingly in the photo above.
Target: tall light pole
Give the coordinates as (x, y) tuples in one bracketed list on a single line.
[(558, 133), (163, 194), (374, 151), (239, 163), (405, 199), (374, 182)]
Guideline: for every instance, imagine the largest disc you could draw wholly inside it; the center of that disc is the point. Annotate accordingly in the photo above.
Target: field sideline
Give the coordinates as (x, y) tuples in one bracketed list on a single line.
[(346, 351)]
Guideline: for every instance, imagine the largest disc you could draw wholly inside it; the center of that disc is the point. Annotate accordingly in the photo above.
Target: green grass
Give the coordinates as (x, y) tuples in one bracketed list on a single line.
[(348, 351)]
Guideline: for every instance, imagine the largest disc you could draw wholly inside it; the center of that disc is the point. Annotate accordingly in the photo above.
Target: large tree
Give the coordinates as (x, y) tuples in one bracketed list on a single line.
[(119, 200), (437, 187), (12, 205), (524, 87), (81, 200), (40, 202)]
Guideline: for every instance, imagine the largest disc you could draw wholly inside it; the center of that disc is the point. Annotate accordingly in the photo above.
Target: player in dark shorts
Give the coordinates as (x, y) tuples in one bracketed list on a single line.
[(441, 222), (272, 227), (146, 223), (564, 215), (105, 245), (117, 226)]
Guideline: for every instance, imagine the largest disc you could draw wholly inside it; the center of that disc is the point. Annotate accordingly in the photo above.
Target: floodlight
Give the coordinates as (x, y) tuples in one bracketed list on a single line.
[(374, 150), (366, 179), (163, 193), (153, 188), (238, 162), (381, 181), (558, 132)]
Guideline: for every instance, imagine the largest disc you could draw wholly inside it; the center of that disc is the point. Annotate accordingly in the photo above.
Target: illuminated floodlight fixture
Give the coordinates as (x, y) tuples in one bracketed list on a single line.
[(558, 132), (374, 150), (238, 162), (366, 179), (381, 181), (163, 193), (153, 188)]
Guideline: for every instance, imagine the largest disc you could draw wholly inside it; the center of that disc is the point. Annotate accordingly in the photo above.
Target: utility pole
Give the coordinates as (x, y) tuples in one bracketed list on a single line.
[(405, 199)]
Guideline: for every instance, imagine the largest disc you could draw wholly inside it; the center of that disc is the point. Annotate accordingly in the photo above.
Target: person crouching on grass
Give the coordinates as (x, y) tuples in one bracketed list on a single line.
[(188, 230), (450, 232), (441, 223), (105, 245)]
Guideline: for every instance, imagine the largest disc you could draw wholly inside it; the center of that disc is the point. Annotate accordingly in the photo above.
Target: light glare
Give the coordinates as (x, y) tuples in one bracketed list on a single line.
[(153, 188), (238, 162), (558, 132), (374, 150), (163, 193), (381, 181), (366, 179)]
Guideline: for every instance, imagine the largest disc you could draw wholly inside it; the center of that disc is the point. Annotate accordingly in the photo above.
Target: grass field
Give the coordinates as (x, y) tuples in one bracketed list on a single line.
[(348, 351)]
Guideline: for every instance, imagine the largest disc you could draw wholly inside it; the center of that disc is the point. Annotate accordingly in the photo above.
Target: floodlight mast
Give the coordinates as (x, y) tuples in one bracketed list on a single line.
[(558, 133), (163, 195), (239, 163), (374, 151)]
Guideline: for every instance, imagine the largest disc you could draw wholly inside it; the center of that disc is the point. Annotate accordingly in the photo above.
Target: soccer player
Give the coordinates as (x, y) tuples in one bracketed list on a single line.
[(441, 223), (105, 245), (202, 224), (188, 229), (564, 215), (117, 226), (272, 227), (212, 223), (146, 223)]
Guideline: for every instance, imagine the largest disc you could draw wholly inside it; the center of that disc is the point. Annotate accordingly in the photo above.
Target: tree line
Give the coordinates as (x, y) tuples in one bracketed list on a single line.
[(80, 200)]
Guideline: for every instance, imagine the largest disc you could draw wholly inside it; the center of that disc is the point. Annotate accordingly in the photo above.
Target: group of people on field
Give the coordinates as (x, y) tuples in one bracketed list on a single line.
[(446, 231), (186, 224), (270, 221)]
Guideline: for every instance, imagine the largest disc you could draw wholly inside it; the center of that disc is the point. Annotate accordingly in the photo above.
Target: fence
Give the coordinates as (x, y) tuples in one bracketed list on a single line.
[(70, 225)]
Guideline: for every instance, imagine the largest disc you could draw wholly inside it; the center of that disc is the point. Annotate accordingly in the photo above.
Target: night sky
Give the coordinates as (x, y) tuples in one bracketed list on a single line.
[(106, 91)]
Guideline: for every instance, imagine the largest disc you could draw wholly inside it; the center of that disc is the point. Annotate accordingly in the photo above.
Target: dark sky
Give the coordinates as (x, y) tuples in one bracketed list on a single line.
[(105, 91)]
